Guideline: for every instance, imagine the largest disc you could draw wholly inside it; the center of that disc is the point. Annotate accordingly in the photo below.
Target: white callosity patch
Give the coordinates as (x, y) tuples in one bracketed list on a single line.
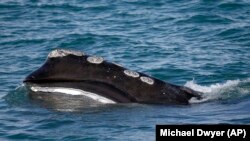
[(95, 59), (131, 73), (72, 91), (63, 52), (147, 80)]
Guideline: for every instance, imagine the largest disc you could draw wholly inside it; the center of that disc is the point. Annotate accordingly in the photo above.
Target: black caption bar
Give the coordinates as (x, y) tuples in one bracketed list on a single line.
[(204, 132)]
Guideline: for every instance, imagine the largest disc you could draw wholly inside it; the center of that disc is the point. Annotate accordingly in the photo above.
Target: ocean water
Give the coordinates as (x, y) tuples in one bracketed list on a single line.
[(202, 44)]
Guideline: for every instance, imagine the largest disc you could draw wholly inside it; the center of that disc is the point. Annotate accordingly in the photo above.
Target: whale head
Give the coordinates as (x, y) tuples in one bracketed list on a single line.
[(72, 75)]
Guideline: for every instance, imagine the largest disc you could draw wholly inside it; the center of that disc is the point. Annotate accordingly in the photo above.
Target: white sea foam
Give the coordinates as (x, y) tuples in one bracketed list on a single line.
[(228, 89)]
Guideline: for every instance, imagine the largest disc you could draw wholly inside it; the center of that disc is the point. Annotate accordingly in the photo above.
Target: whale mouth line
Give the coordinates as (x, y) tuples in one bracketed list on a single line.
[(102, 92), (72, 91)]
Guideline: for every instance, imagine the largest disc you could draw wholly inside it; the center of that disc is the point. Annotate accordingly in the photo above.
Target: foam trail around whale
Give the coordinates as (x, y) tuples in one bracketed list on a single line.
[(229, 89), (71, 91)]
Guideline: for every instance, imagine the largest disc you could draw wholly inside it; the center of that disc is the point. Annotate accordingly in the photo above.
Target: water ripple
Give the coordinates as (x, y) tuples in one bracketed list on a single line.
[(203, 44)]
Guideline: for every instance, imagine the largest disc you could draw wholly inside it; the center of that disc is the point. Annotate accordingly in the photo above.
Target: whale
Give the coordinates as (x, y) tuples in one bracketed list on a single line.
[(69, 76)]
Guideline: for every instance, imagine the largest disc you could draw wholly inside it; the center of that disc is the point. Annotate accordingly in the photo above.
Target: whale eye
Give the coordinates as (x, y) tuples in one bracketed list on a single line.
[(64, 52), (95, 59), (147, 80), (131, 73)]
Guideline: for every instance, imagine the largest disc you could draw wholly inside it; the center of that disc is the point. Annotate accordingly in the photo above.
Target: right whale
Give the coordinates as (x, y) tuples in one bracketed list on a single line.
[(68, 74)]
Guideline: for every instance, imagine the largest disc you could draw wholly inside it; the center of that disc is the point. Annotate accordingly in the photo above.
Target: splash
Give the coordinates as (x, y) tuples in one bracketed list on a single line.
[(228, 90), (18, 96)]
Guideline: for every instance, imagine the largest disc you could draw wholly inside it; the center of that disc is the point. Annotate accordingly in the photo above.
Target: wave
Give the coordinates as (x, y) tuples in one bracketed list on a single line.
[(220, 91)]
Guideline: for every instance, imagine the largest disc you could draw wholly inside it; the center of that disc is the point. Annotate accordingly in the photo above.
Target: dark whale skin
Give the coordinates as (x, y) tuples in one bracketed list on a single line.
[(71, 69)]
